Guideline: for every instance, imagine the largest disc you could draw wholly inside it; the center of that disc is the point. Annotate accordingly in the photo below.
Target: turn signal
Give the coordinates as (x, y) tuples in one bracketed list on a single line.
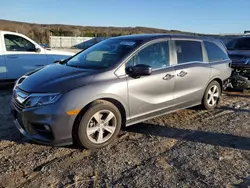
[(73, 112)]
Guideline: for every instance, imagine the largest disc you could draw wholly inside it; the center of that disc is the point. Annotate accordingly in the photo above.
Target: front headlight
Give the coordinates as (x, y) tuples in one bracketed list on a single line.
[(41, 99)]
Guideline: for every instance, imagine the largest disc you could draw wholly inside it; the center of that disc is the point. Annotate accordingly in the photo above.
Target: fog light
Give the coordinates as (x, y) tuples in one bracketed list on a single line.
[(47, 127)]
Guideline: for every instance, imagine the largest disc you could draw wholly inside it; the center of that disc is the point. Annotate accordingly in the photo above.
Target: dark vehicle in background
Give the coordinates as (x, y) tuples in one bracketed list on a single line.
[(239, 53), (44, 45), (118, 82)]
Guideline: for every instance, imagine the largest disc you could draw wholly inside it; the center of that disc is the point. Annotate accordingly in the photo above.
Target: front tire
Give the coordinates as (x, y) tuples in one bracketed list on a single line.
[(99, 125), (211, 96)]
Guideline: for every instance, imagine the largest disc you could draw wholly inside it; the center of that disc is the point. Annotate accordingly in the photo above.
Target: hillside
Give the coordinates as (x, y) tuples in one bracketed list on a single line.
[(41, 32)]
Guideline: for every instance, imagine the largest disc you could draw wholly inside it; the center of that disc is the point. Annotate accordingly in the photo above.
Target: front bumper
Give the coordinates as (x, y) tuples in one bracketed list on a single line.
[(49, 124)]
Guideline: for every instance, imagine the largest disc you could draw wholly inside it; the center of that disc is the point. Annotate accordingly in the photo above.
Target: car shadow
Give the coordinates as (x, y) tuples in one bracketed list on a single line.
[(6, 86), (234, 109), (197, 136), (238, 95)]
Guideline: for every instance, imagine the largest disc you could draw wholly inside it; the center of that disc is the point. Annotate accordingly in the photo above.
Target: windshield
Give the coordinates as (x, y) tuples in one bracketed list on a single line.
[(104, 54), (239, 44)]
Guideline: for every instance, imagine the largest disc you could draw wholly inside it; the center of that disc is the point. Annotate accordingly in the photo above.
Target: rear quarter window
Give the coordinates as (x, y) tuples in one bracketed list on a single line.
[(214, 52), (188, 51)]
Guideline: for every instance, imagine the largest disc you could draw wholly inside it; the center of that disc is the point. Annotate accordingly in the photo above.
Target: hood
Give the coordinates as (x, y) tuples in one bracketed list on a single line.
[(59, 52), (240, 58), (239, 53), (55, 78)]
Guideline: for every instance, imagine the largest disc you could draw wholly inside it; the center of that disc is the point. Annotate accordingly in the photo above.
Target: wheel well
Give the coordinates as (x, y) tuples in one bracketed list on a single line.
[(120, 108), (219, 81), (84, 109)]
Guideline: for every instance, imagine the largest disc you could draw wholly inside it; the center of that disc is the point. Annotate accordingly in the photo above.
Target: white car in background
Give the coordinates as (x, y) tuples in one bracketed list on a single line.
[(20, 55)]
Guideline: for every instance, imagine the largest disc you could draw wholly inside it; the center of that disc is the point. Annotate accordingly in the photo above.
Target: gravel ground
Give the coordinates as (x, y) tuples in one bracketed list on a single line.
[(189, 148)]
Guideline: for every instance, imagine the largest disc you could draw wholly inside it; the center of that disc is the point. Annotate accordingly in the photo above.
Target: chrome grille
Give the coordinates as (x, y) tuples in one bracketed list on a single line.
[(18, 96), (17, 105)]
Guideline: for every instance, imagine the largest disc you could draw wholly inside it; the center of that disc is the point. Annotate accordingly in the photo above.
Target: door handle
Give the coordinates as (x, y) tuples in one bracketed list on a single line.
[(182, 74), (12, 56), (39, 65), (168, 77)]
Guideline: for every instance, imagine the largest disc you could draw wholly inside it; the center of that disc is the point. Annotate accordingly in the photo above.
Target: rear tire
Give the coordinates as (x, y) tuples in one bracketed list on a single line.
[(99, 125), (211, 96)]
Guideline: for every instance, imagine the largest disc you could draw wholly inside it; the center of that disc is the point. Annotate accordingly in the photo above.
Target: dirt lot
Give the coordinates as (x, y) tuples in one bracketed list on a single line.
[(190, 148)]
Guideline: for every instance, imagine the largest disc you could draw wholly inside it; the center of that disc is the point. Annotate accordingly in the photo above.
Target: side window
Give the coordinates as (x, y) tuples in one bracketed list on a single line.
[(17, 43), (155, 55), (188, 51), (130, 63), (214, 52)]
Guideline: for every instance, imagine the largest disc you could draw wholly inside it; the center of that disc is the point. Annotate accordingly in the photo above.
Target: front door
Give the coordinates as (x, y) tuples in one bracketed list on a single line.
[(2, 65), (21, 56), (192, 73), (149, 94)]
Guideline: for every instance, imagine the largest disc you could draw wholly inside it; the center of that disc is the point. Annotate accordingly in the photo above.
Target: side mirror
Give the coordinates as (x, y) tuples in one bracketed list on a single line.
[(38, 50), (139, 70)]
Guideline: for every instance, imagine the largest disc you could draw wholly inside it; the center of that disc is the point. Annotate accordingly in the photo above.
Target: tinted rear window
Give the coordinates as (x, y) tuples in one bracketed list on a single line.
[(214, 52), (188, 51), (239, 44)]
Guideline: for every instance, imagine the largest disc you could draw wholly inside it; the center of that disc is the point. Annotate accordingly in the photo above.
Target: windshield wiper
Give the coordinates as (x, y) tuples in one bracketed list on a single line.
[(77, 66), (66, 63)]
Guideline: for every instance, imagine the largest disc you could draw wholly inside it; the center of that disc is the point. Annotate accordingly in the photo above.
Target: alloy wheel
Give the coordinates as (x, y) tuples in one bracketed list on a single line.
[(101, 126), (213, 95)]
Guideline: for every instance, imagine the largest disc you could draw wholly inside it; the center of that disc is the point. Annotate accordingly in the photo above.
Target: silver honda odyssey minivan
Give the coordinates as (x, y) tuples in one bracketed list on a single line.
[(120, 81)]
